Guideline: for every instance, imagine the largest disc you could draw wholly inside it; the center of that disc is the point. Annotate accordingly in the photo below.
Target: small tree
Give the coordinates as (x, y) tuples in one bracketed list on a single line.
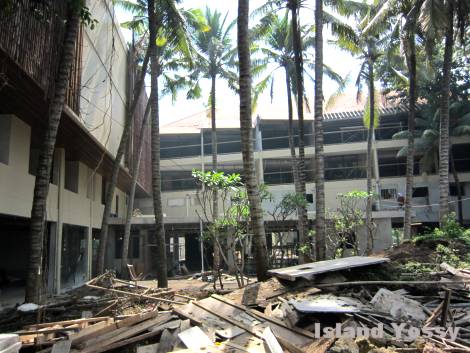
[(346, 221), (229, 230), (287, 206)]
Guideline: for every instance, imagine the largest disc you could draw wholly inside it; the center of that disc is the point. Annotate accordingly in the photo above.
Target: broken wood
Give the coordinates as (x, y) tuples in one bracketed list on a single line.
[(135, 294)]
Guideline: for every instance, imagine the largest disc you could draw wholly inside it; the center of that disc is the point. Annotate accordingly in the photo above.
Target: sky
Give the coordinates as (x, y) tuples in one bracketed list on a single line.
[(228, 102)]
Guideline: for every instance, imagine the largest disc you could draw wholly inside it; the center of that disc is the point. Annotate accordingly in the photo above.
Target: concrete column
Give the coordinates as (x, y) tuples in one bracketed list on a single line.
[(60, 160), (258, 155)]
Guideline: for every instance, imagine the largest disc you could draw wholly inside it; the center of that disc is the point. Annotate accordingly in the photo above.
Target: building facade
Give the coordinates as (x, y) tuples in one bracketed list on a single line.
[(186, 145), (89, 133)]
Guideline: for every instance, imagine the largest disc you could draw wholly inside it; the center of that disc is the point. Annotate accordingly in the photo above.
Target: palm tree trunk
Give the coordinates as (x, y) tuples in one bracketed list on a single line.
[(290, 129), (34, 280), (111, 186), (320, 226), (297, 44), (216, 261), (160, 242), (411, 62), (256, 212), (130, 206), (458, 186), (370, 134), (444, 122)]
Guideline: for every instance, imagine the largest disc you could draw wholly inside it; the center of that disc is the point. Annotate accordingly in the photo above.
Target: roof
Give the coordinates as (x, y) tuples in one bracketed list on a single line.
[(194, 123), (349, 106), (345, 106)]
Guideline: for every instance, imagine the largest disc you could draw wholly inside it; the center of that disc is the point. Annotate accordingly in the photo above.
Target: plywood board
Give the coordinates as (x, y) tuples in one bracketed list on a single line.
[(308, 271)]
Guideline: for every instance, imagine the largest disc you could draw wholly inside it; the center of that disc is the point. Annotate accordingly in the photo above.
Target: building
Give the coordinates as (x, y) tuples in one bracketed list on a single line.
[(88, 137), (186, 145)]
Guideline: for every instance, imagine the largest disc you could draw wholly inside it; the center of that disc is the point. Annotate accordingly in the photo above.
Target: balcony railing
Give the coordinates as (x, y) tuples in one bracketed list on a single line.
[(31, 35)]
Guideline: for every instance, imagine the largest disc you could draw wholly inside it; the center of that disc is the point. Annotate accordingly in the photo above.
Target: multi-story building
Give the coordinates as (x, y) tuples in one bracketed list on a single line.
[(186, 145), (88, 137)]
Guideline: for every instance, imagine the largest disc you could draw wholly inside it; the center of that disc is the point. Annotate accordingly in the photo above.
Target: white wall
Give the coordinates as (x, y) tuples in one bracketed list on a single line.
[(104, 77)]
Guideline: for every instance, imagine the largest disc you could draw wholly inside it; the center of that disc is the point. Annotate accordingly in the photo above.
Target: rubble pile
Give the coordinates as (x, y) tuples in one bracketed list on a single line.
[(310, 308)]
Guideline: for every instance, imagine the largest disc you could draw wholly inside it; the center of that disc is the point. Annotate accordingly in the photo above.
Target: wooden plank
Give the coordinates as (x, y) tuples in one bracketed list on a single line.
[(194, 320), (67, 322), (123, 333), (135, 294), (271, 341), (91, 332), (309, 270), (320, 346), (265, 317)]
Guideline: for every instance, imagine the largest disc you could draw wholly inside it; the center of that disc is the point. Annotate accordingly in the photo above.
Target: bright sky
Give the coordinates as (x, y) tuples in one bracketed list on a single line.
[(227, 101)]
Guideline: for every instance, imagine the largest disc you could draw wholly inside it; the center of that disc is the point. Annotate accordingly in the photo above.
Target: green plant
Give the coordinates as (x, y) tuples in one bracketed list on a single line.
[(451, 230), (445, 254)]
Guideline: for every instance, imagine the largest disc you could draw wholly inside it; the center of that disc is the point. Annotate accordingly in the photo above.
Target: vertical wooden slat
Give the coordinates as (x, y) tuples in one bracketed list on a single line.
[(34, 43)]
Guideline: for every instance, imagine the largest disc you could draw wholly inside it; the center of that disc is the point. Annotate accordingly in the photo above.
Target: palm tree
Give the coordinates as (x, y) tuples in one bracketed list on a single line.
[(256, 212), (34, 280), (437, 19), (427, 139), (320, 226), (123, 144), (276, 34), (173, 57), (366, 47), (405, 19), (215, 58)]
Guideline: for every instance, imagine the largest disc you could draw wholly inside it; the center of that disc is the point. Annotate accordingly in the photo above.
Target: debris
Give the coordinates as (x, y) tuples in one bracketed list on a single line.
[(400, 307), (194, 338), (271, 341), (308, 271), (328, 304), (28, 307)]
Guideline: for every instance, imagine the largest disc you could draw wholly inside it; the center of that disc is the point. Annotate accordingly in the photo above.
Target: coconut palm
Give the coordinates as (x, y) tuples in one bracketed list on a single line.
[(366, 47), (437, 20), (256, 212), (173, 57), (34, 280), (215, 58), (427, 140), (276, 48), (404, 17)]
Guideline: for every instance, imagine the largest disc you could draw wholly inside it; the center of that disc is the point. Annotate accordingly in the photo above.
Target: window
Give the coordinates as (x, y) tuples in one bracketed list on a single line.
[(116, 206), (182, 248), (135, 247), (309, 198), (453, 189), (5, 131), (71, 176), (176, 202), (388, 194), (421, 192)]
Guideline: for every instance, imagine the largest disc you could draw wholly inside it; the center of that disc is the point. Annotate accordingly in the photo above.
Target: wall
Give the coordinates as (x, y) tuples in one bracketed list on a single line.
[(102, 107)]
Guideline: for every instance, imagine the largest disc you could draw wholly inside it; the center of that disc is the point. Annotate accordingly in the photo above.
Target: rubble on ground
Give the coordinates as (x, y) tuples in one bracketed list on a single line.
[(323, 308)]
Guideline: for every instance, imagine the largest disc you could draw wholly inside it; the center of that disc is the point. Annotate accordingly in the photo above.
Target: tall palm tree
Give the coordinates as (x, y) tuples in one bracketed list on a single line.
[(246, 131), (34, 280), (294, 7), (276, 48), (320, 226), (365, 46), (405, 15), (174, 56), (437, 19), (428, 140), (215, 58), (123, 145)]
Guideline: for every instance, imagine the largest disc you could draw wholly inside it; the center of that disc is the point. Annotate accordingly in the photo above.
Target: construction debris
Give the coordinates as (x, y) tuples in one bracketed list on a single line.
[(272, 317), (308, 271)]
